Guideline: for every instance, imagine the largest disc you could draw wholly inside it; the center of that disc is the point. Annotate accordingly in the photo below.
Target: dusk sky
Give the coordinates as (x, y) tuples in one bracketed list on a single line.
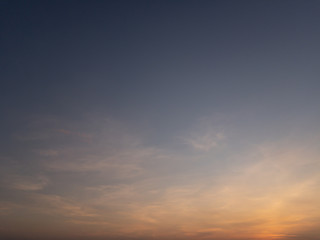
[(162, 120)]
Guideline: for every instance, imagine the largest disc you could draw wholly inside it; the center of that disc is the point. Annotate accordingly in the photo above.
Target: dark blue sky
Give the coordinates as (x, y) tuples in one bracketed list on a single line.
[(134, 57)]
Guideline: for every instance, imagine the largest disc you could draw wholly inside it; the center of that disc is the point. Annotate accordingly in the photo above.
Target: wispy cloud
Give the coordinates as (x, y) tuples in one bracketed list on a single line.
[(24, 182), (8, 207), (117, 185), (84, 136), (124, 164), (55, 204), (47, 152), (263, 197), (205, 142), (205, 136)]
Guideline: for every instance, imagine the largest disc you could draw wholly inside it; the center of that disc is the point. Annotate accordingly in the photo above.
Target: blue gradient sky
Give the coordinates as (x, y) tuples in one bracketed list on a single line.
[(160, 120)]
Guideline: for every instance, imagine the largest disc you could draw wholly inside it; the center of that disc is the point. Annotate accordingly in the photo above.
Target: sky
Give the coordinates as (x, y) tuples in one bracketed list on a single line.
[(163, 120)]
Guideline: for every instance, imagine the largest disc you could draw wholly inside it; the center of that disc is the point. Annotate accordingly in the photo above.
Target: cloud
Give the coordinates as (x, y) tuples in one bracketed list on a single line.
[(47, 152), (267, 196), (84, 136), (123, 164), (205, 142), (8, 207), (119, 185), (205, 136), (26, 183), (55, 204)]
